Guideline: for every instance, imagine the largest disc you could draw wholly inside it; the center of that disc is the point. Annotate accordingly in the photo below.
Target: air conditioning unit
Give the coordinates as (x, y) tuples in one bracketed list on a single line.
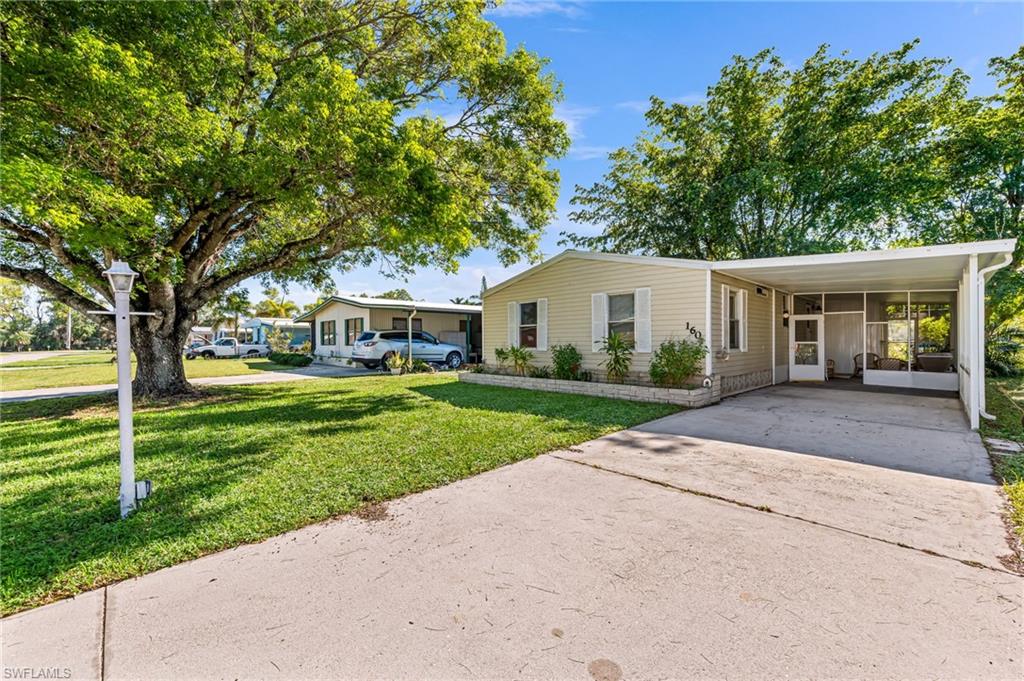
[(761, 291)]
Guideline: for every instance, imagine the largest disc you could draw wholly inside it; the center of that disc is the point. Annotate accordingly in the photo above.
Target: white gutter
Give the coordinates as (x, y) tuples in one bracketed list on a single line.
[(981, 329)]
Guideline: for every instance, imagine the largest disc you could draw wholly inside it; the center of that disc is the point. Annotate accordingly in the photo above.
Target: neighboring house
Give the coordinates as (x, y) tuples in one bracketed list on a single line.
[(339, 320), (204, 334), (911, 317), (256, 330)]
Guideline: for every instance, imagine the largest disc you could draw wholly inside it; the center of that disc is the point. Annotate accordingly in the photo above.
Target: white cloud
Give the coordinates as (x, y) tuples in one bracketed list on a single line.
[(643, 105), (534, 8), (637, 105), (573, 117), (691, 98), (584, 152)]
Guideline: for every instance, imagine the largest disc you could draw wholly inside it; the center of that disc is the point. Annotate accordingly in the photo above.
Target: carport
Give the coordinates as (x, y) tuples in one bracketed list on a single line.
[(902, 318)]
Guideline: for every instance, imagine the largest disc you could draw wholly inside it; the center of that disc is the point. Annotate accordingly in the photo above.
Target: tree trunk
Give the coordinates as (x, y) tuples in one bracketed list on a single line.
[(160, 367)]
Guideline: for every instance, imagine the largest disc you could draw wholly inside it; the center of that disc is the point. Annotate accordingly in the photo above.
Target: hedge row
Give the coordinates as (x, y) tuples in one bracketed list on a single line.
[(292, 359)]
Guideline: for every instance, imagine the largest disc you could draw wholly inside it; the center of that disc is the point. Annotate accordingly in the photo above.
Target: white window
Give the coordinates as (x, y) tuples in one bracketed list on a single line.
[(734, 319), (621, 317), (628, 314), (528, 324)]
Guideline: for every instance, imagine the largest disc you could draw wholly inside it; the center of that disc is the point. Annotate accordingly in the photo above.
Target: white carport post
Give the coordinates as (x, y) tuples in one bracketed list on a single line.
[(408, 333), (976, 363)]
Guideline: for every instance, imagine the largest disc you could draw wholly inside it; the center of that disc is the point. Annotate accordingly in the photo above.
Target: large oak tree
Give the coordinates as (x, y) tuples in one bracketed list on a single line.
[(209, 142)]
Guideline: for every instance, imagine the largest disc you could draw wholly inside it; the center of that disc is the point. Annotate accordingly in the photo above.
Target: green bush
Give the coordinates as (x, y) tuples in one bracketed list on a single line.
[(421, 367), (675, 361), (567, 361), (292, 359), (620, 357), (501, 354), (539, 372)]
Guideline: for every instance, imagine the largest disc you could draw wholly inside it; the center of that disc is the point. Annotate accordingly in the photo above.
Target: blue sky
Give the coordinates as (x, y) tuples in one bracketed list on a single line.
[(612, 56)]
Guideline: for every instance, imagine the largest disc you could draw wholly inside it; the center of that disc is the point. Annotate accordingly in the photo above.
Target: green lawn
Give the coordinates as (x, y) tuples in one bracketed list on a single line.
[(74, 357), (92, 373), (249, 462), (1005, 401)]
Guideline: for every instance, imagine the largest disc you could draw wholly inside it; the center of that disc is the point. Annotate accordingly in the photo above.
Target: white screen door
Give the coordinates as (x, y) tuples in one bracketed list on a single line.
[(806, 347)]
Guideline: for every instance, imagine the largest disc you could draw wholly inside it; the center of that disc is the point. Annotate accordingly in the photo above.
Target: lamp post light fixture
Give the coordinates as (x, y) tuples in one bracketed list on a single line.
[(121, 279)]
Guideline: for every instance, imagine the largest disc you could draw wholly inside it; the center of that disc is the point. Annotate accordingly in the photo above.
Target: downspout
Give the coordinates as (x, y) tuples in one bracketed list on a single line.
[(981, 330)]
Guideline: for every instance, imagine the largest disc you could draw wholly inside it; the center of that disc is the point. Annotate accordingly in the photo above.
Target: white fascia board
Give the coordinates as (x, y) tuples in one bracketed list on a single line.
[(975, 247)]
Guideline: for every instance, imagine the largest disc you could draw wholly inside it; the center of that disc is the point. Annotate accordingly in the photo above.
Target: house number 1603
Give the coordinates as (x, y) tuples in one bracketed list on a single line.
[(694, 331)]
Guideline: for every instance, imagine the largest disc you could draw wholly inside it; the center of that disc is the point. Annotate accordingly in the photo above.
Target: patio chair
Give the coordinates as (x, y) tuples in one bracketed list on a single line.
[(890, 364), (858, 363), (830, 369)]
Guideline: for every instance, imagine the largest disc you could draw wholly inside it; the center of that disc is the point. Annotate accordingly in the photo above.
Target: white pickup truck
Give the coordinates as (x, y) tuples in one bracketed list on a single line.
[(228, 347)]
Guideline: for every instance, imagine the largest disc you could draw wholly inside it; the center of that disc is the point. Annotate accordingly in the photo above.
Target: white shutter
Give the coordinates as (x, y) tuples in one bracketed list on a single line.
[(542, 324), (642, 319), (598, 320), (741, 300), (513, 324), (725, 317)]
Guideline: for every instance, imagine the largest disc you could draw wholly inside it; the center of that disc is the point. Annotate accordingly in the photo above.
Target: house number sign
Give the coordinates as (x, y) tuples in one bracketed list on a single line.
[(694, 331)]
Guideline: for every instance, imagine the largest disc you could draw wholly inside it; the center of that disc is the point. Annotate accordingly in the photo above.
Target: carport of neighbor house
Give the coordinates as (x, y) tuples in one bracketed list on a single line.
[(908, 318), (903, 469)]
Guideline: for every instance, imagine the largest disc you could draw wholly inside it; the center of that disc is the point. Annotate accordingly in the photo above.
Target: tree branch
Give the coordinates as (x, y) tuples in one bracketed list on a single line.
[(65, 294)]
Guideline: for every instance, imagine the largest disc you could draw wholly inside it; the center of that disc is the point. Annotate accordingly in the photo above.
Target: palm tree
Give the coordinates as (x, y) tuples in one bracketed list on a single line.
[(472, 300), (275, 305)]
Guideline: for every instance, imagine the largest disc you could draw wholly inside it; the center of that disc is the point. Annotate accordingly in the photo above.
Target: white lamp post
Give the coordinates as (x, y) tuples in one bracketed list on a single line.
[(121, 279)]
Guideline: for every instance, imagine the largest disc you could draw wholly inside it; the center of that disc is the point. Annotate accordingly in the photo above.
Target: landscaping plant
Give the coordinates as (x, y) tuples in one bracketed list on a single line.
[(395, 361), (520, 358), (675, 361), (620, 357), (292, 359), (566, 361), (539, 372), (501, 354)]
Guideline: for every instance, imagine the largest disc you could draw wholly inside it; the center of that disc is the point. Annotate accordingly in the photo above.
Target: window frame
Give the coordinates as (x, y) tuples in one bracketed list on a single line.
[(351, 332), (417, 323), (608, 317), (534, 326), (328, 330), (735, 299)]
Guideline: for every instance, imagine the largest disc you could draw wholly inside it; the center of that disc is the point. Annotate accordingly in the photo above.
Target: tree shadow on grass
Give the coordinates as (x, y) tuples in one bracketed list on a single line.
[(201, 457)]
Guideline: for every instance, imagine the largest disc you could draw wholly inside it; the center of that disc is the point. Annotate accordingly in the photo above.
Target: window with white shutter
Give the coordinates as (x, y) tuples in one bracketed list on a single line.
[(642, 319), (513, 325), (542, 324)]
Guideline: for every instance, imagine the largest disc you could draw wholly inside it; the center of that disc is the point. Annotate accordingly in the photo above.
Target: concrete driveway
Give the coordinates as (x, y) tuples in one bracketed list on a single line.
[(553, 568), (898, 468)]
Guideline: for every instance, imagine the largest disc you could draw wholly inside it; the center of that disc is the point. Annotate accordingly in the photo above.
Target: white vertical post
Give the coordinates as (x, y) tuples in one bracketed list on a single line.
[(774, 323), (124, 401), (67, 338), (708, 359), (973, 321)]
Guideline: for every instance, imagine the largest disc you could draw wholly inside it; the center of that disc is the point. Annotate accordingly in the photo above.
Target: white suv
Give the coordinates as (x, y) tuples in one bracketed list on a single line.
[(372, 348)]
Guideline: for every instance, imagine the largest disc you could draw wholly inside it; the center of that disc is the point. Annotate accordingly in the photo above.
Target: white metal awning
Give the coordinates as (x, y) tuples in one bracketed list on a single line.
[(927, 267)]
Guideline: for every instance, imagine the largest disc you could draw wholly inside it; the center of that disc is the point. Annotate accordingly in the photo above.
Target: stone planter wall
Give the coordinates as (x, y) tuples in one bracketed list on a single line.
[(638, 393), (333, 361)]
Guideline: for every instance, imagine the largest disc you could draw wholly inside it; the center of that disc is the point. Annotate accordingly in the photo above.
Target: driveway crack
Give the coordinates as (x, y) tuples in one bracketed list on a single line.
[(768, 509)]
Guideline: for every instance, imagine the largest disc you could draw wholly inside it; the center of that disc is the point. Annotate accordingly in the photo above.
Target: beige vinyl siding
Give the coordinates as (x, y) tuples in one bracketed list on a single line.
[(338, 312), (753, 366), (434, 323), (677, 297)]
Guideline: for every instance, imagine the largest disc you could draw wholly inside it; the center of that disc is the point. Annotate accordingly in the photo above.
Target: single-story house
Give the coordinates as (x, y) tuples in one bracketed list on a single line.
[(338, 321), (256, 329), (908, 317)]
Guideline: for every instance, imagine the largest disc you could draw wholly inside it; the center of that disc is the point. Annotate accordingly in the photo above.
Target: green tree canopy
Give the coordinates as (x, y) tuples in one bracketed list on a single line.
[(207, 143), (777, 160)]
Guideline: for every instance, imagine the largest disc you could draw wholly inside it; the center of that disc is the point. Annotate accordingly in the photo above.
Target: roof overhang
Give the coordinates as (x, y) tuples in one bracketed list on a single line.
[(389, 304), (921, 268)]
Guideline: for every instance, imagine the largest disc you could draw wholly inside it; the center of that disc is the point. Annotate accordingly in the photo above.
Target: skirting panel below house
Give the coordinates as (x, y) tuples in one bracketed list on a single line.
[(744, 382)]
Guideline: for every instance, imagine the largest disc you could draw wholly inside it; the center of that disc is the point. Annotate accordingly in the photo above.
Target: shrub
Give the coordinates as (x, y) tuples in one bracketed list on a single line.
[(567, 361), (292, 359), (421, 367), (675, 361), (520, 358), (279, 341), (539, 372), (620, 357), (395, 361), (501, 354)]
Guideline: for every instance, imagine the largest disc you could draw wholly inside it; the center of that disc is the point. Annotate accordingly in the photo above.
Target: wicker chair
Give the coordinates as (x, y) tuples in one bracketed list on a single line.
[(858, 363), (890, 364)]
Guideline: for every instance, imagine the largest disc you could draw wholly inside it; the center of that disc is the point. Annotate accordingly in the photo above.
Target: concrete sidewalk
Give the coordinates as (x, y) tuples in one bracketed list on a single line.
[(543, 569), (312, 371)]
